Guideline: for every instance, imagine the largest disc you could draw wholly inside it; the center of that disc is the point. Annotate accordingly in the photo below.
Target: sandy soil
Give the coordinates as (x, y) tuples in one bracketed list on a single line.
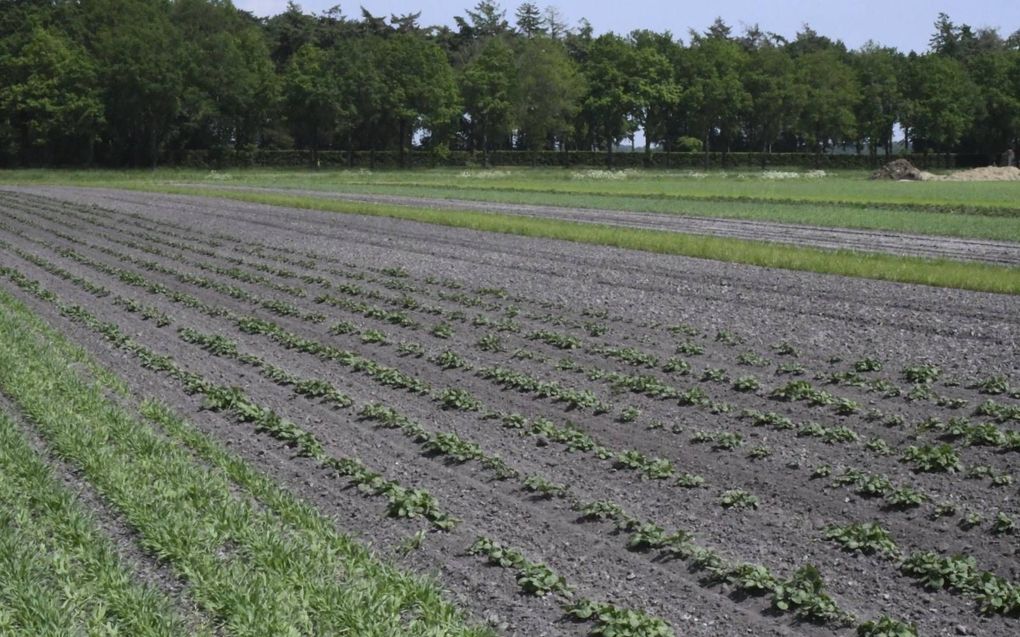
[(603, 298)]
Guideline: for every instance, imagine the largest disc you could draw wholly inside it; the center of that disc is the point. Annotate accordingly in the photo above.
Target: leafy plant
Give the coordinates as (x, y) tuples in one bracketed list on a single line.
[(545, 488), (923, 373), (727, 440), (728, 338), (868, 364), (629, 414), (1003, 524), (929, 458), (785, 349), (747, 384), (804, 593), (611, 621), (738, 499), (540, 580), (373, 336), (866, 537), (441, 330), (714, 375), (453, 398), (905, 498), (886, 626), (490, 343), (689, 481), (752, 359), (450, 360)]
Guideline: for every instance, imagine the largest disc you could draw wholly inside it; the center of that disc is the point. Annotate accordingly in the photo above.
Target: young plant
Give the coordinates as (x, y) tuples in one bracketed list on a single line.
[(866, 537), (544, 488), (933, 459), (738, 499)]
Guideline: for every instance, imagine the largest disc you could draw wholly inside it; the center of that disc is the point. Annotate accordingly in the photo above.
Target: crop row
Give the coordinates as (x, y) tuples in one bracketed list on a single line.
[(455, 398), (902, 497), (403, 502), (232, 539)]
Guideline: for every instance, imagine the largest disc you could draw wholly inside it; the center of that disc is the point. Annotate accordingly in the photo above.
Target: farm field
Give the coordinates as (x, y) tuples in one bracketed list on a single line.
[(565, 438), (794, 222)]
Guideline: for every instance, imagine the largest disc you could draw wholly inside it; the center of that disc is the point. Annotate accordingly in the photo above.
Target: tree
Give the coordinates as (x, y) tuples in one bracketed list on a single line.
[(881, 97), (715, 96), (549, 90), (50, 99), (529, 20), (314, 98), (487, 86), (420, 92), (996, 123), (658, 92), (486, 20), (830, 94), (554, 24), (940, 103), (611, 101), (230, 84), (776, 99), (138, 60), (287, 32)]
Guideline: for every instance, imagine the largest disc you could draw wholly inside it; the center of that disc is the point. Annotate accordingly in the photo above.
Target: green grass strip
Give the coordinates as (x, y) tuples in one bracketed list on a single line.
[(59, 574), (900, 269), (974, 224), (255, 571)]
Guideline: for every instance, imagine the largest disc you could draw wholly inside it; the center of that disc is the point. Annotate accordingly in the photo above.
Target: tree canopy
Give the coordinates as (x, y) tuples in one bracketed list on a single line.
[(135, 82)]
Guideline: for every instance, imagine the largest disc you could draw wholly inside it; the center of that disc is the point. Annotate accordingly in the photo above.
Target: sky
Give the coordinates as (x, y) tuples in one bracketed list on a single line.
[(904, 24)]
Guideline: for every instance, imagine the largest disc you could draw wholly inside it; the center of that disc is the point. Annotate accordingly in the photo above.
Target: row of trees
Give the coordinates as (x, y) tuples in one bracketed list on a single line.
[(127, 82)]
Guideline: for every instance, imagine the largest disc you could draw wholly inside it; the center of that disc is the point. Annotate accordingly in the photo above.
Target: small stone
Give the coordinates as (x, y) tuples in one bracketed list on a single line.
[(962, 630)]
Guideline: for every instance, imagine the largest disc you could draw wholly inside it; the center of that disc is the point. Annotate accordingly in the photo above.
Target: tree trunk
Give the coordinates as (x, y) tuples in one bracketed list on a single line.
[(485, 147), (153, 146), (403, 127), (708, 133)]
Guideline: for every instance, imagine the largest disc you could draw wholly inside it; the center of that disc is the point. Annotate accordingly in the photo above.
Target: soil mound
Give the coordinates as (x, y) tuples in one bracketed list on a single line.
[(898, 170), (988, 173)]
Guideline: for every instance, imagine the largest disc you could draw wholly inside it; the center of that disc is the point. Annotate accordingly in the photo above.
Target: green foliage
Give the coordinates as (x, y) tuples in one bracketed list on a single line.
[(866, 537), (928, 458), (804, 594), (886, 626), (922, 373), (454, 398), (738, 499), (611, 621)]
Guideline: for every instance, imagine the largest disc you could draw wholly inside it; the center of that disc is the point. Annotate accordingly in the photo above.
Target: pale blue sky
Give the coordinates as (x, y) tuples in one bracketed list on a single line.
[(905, 24)]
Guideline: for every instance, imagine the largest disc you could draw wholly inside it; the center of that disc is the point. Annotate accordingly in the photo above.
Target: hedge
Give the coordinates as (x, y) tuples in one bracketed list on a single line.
[(421, 159)]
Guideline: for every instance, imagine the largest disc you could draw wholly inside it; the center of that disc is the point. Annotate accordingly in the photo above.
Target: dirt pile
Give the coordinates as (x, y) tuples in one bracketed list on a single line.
[(988, 173), (898, 170)]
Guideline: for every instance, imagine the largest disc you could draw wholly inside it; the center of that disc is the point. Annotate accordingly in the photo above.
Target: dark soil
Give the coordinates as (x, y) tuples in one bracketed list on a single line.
[(984, 250), (603, 298)]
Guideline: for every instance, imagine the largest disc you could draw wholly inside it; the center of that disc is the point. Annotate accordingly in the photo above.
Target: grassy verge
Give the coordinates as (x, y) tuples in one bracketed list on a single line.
[(59, 574), (951, 274), (994, 224), (847, 187), (254, 567)]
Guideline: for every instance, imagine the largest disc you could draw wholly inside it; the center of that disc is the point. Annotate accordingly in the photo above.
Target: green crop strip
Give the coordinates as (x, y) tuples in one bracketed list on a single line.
[(59, 575), (938, 273), (254, 571)]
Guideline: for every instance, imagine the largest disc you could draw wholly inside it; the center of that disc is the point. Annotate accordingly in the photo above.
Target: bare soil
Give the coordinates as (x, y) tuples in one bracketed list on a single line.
[(603, 298), (983, 250)]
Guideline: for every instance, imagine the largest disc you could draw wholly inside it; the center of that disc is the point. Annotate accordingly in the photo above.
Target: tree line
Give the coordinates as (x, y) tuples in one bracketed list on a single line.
[(128, 82)]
